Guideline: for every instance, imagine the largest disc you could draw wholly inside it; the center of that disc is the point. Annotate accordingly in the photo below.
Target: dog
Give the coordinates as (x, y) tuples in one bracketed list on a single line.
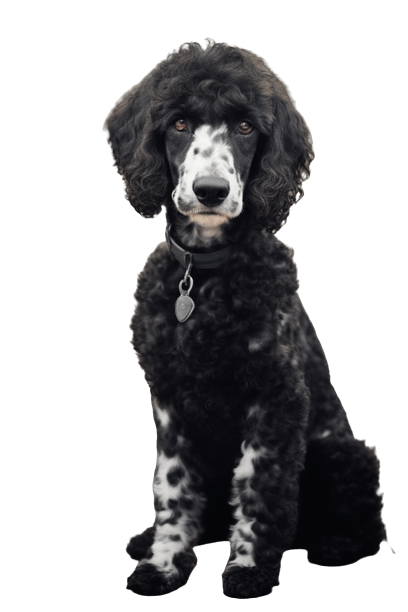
[(253, 444)]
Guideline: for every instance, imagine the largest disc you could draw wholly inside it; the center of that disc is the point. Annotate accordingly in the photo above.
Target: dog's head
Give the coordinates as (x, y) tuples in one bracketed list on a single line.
[(212, 132)]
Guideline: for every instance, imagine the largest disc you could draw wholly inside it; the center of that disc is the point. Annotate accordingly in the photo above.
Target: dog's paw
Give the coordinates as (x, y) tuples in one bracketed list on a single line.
[(244, 582), (150, 579), (336, 550), (140, 544)]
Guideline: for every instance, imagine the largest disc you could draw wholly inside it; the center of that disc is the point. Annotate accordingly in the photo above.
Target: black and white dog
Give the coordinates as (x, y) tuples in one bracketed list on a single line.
[(253, 443)]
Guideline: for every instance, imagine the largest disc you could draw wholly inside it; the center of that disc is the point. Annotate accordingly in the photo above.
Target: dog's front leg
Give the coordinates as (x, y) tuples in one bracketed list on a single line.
[(179, 504), (265, 498)]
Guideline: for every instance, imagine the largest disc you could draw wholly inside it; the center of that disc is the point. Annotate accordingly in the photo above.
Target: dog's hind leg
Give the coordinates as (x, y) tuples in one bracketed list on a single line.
[(340, 509)]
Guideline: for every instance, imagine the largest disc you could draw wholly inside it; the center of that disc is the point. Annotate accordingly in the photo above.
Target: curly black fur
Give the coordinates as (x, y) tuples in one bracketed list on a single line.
[(253, 443), (216, 82)]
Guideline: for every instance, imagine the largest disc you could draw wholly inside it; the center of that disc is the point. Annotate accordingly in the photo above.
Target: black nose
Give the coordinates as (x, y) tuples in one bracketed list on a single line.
[(211, 190)]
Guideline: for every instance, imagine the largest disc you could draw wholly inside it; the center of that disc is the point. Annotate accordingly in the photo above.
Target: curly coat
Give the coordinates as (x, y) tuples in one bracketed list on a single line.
[(253, 443)]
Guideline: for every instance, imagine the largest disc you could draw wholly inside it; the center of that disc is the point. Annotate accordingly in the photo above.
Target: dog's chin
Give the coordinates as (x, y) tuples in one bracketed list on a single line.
[(208, 219)]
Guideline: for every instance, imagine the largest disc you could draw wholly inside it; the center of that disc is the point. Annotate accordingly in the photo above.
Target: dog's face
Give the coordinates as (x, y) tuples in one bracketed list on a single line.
[(213, 135), (209, 165)]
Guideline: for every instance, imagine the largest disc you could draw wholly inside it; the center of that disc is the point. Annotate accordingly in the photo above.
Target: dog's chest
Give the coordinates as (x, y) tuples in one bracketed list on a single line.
[(224, 353), (217, 353)]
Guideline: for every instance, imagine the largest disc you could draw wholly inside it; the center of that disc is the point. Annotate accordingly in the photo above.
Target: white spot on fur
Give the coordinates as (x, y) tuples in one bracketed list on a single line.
[(256, 343), (245, 467), (251, 412), (282, 321), (208, 157), (242, 534), (164, 546), (162, 415), (324, 434)]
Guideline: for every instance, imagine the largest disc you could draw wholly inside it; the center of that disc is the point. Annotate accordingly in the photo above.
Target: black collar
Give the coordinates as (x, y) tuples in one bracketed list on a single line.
[(204, 261)]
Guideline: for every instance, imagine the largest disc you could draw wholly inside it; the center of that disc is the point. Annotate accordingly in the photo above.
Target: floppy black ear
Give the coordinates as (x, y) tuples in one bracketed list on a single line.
[(281, 166), (135, 148)]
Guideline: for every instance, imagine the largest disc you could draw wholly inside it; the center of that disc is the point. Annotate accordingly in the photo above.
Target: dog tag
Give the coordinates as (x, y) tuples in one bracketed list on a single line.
[(184, 307), (184, 304)]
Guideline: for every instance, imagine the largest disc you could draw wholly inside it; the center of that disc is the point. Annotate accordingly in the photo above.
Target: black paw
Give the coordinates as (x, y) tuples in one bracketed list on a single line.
[(340, 550), (140, 544), (245, 582), (148, 579)]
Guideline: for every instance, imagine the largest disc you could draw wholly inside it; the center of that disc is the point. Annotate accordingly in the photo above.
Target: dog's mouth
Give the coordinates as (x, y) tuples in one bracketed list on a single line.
[(208, 218)]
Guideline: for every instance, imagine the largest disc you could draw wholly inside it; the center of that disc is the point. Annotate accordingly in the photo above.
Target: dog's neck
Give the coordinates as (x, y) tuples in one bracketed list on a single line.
[(194, 237), (208, 260)]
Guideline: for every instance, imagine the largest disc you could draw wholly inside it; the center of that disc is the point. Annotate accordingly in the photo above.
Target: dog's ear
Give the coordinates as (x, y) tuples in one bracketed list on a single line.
[(135, 145), (281, 166)]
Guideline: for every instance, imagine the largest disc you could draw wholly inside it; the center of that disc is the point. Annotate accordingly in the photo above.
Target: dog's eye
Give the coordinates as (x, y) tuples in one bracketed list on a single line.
[(180, 125), (245, 127)]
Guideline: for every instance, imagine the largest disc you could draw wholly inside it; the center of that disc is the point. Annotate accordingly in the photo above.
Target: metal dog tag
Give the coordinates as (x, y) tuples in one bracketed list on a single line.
[(184, 304)]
